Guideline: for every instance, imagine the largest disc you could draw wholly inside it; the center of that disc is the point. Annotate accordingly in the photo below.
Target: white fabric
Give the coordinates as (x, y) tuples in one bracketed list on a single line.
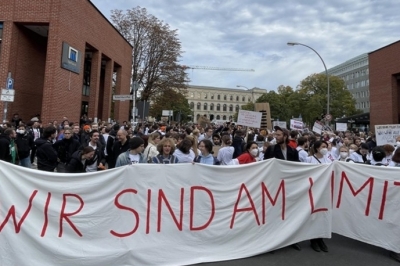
[(225, 155), (190, 213), (183, 157), (150, 151), (302, 154), (323, 160)]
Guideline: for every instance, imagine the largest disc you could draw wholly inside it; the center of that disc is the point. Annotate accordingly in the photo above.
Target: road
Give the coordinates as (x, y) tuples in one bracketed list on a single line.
[(342, 251)]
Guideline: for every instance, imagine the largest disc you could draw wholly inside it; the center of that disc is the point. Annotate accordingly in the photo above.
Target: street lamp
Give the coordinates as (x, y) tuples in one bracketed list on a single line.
[(326, 72), (252, 95)]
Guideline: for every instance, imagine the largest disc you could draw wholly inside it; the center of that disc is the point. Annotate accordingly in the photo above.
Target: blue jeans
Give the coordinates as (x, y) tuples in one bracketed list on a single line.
[(26, 162)]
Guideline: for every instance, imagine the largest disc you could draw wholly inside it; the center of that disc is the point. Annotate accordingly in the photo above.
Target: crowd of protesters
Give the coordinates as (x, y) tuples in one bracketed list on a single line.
[(88, 146)]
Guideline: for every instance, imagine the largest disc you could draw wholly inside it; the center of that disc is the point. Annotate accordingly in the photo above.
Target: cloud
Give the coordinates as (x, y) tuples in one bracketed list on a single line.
[(253, 34)]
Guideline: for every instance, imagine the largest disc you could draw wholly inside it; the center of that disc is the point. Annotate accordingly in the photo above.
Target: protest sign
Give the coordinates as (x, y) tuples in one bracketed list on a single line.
[(386, 134), (296, 125), (317, 128), (341, 126), (249, 118)]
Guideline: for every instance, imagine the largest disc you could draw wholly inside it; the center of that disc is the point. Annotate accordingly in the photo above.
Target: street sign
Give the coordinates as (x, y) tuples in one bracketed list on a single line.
[(7, 98), (127, 97), (7, 92), (10, 83), (328, 117)]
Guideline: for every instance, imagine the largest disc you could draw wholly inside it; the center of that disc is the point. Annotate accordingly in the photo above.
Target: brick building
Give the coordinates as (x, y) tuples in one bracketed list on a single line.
[(65, 58), (384, 76)]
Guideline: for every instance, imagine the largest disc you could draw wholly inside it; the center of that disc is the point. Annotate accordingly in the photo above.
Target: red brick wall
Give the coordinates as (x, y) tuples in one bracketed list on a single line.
[(76, 22), (384, 64)]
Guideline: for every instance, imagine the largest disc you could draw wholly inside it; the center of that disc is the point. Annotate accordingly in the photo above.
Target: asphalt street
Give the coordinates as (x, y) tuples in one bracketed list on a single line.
[(342, 251)]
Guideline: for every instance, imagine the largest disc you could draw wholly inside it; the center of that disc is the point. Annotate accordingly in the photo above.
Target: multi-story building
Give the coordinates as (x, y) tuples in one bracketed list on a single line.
[(63, 57), (355, 73), (219, 103)]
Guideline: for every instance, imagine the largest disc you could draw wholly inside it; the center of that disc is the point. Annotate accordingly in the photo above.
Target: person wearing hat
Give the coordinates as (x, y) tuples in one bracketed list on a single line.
[(281, 150), (134, 154)]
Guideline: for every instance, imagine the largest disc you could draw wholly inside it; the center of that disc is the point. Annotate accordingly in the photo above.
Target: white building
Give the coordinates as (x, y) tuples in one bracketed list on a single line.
[(219, 103)]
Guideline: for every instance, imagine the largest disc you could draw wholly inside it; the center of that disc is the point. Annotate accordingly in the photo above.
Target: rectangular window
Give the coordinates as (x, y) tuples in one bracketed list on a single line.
[(73, 54), (1, 34)]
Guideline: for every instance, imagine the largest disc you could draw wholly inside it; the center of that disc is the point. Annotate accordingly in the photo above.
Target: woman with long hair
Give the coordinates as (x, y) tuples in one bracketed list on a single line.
[(151, 149), (250, 154), (165, 148)]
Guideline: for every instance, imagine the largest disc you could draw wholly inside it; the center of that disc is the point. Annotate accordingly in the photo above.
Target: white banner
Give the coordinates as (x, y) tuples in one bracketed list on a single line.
[(189, 213), (281, 124), (386, 134), (249, 118)]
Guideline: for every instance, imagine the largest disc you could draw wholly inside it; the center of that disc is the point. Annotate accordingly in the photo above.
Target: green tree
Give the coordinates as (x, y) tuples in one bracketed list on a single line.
[(170, 99), (313, 92)]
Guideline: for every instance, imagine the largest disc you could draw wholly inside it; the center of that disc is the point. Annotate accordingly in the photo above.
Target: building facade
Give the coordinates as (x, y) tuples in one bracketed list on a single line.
[(65, 59), (355, 73), (219, 103), (385, 85)]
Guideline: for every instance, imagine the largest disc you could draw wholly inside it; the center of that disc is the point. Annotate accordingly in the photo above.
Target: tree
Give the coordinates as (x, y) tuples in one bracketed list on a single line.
[(248, 106), (155, 54), (170, 99), (313, 91)]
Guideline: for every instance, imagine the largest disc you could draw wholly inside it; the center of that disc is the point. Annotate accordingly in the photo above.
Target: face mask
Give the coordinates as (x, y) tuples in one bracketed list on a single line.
[(398, 144), (20, 131), (324, 151), (344, 155), (254, 152), (351, 151)]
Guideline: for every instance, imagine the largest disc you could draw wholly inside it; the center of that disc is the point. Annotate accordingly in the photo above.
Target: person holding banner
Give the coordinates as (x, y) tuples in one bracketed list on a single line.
[(134, 154), (320, 152), (225, 154), (165, 148)]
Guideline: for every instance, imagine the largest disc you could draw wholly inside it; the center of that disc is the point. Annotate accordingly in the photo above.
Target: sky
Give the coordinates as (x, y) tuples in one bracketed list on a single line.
[(253, 34)]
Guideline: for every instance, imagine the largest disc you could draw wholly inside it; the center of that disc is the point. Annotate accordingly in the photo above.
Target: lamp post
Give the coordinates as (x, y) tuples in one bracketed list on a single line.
[(252, 95), (326, 72)]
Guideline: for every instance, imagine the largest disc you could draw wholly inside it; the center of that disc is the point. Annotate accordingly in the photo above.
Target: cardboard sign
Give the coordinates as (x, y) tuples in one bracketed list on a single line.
[(296, 125), (317, 128), (341, 126)]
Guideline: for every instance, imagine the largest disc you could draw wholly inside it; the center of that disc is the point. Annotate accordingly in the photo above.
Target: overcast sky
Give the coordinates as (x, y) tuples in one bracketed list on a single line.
[(253, 34)]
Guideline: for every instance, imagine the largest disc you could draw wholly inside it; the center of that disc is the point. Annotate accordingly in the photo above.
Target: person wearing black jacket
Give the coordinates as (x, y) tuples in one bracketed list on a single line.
[(98, 161), (8, 151), (46, 155), (281, 150), (110, 144), (65, 148), (120, 146), (24, 143), (79, 160), (238, 143)]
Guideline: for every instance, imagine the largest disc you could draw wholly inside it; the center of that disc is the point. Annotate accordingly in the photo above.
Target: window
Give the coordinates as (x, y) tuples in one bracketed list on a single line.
[(191, 95), (219, 97), (231, 97), (1, 34), (205, 107), (199, 95), (224, 97), (224, 117), (73, 54), (212, 96), (249, 100), (198, 106), (243, 99), (231, 108), (367, 82), (218, 107), (191, 105), (224, 108), (212, 107), (205, 95), (218, 117), (237, 98), (237, 108)]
